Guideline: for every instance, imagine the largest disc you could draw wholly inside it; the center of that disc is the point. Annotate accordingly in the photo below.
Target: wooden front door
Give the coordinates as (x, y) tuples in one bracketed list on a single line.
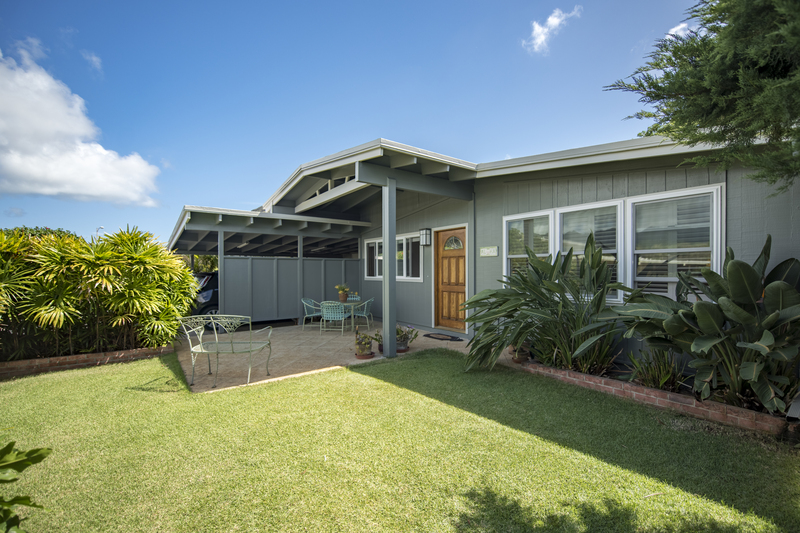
[(451, 278)]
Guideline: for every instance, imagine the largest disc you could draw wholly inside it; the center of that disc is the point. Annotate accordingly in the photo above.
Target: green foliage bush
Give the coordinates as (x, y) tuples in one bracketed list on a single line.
[(12, 462), (61, 295), (742, 329), (553, 305)]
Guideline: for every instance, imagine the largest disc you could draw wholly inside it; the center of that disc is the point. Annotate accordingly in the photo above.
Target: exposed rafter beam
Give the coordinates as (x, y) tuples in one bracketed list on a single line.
[(461, 174), (315, 182), (433, 167), (410, 181), (356, 198), (329, 196), (401, 160), (343, 172)]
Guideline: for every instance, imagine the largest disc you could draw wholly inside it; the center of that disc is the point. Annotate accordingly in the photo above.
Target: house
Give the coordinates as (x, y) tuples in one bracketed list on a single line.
[(441, 229)]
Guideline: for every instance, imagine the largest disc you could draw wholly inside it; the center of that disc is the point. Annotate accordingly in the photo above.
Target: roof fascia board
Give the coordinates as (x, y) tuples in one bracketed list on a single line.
[(604, 153), (256, 215), (178, 229), (233, 228), (409, 181)]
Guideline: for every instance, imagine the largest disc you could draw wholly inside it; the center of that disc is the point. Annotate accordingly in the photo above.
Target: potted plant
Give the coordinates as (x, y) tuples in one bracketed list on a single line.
[(405, 335), (343, 291), (363, 346)]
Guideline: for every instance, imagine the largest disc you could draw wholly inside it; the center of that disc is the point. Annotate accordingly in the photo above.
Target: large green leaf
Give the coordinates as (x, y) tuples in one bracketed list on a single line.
[(675, 325), (744, 283), (588, 344), (705, 343), (761, 262), (788, 271), (768, 394), (779, 295), (750, 370), (736, 313), (785, 353), (790, 314), (717, 284), (770, 320), (763, 346), (709, 318), (648, 310)]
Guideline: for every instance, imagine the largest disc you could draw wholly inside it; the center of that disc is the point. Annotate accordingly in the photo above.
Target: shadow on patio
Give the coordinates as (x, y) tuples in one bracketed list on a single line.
[(294, 352)]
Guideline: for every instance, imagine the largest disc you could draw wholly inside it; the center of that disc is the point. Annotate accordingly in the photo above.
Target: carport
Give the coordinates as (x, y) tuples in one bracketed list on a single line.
[(268, 261)]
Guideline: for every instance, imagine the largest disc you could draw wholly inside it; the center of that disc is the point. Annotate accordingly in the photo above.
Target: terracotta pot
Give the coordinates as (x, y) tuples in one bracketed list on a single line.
[(342, 296), (369, 355)]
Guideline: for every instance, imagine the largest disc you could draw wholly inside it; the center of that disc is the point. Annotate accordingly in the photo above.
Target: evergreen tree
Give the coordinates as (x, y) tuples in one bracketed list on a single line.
[(734, 83)]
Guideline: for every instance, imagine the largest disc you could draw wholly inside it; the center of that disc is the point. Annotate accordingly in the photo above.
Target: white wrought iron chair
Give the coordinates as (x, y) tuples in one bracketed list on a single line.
[(223, 328)]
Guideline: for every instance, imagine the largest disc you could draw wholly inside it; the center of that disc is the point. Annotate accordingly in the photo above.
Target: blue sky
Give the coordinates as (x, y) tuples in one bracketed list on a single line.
[(119, 113)]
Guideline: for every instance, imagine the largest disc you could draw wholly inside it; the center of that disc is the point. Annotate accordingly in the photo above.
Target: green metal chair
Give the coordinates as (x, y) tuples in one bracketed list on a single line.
[(333, 312), (364, 311), (311, 309)]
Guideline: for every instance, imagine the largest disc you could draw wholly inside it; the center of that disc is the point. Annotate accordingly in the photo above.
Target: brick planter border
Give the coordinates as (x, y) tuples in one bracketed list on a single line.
[(713, 411), (29, 367)]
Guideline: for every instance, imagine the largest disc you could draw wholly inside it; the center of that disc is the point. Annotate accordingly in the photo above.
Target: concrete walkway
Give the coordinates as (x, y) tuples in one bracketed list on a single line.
[(294, 352)]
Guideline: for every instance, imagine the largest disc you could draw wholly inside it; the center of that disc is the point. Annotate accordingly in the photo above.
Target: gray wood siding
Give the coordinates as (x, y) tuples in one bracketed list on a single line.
[(414, 212), (267, 288), (750, 211)]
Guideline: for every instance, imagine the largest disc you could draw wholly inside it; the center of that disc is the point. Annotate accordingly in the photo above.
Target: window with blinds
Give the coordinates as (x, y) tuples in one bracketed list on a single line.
[(671, 236)]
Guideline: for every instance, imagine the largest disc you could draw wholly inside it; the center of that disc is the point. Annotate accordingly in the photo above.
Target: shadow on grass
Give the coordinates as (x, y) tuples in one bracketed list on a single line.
[(174, 383), (723, 465), (490, 511)]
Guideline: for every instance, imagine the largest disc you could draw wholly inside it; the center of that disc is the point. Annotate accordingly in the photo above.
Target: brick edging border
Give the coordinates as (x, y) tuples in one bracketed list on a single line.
[(713, 411), (29, 367)]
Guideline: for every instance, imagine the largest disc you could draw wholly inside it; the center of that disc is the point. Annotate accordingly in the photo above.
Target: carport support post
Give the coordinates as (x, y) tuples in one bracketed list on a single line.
[(389, 205), (221, 269)]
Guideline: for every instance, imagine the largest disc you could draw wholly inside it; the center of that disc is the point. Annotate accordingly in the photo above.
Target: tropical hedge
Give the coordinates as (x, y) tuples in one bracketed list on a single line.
[(740, 329), (62, 295)]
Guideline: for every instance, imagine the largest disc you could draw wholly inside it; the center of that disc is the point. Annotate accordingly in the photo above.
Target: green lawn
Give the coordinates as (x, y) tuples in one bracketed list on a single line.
[(412, 444)]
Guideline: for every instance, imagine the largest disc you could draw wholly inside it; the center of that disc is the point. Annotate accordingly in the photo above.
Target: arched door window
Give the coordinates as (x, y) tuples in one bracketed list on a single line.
[(453, 243)]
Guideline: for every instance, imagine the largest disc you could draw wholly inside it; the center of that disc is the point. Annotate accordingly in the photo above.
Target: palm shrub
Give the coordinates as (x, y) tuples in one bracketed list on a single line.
[(555, 306), (61, 294), (741, 328)]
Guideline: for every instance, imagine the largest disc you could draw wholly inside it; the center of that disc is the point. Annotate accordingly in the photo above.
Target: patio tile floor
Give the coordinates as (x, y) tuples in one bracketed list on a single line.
[(294, 352)]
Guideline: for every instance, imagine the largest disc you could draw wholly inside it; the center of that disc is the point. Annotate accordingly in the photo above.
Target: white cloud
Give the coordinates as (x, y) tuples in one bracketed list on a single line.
[(542, 33), (47, 143), (681, 30), (15, 212), (94, 61)]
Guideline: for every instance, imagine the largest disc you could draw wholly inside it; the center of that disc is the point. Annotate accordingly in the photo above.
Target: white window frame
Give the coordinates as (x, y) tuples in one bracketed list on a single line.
[(717, 193), (404, 238), (626, 229)]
